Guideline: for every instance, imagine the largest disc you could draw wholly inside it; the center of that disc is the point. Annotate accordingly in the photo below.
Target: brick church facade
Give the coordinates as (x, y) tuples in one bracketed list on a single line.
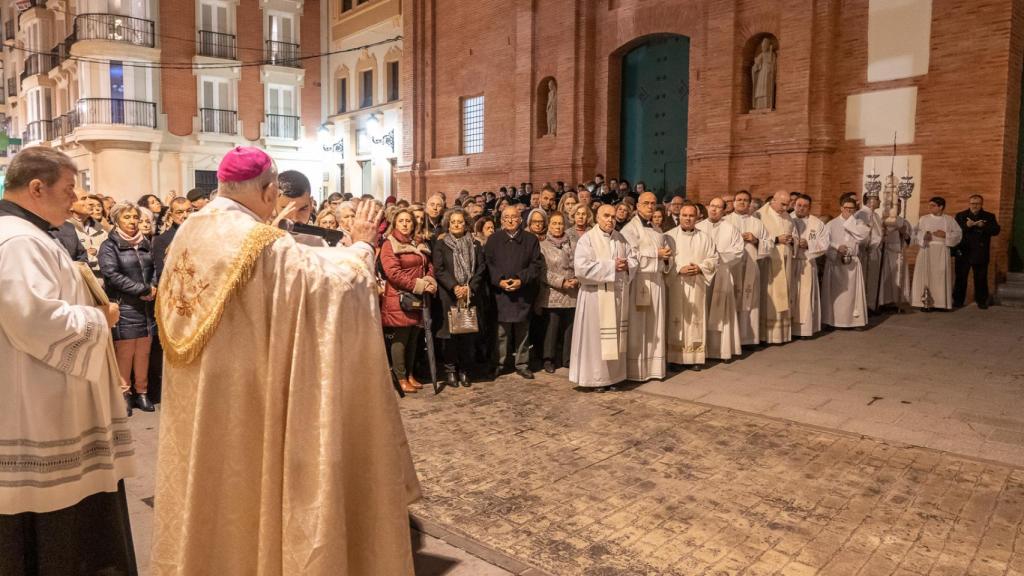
[(941, 77)]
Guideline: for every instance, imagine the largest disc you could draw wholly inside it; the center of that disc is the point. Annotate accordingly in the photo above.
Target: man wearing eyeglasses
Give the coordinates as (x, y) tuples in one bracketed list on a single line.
[(180, 210)]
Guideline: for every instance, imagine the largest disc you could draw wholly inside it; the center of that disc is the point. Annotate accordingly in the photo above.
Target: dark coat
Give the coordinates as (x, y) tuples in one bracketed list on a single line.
[(160, 245), (128, 276), (402, 269), (977, 242), (519, 257), (68, 238), (444, 271)]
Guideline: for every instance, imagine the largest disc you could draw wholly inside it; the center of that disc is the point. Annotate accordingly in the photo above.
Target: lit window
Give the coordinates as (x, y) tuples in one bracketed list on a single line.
[(473, 125)]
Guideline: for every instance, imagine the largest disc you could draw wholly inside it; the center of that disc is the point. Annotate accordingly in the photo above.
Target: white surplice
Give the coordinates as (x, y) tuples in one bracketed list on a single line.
[(806, 295), (895, 282), (723, 328), (746, 276), (64, 434), (843, 297), (645, 354), (587, 367), (871, 253), (687, 295), (933, 270), (777, 275)]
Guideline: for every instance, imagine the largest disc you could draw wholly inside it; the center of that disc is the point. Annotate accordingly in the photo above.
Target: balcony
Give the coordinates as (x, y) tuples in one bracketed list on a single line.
[(63, 50), (38, 63), (216, 45), (216, 121), (282, 54), (38, 131), (284, 127), (65, 124), (115, 111), (115, 27)]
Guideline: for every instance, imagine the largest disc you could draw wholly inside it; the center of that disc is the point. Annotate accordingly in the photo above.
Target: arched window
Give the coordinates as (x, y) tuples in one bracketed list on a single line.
[(547, 107), (341, 91), (761, 70)]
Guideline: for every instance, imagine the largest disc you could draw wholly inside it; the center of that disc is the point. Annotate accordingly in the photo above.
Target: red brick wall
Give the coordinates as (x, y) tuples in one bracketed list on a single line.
[(178, 86), (311, 40), (249, 31)]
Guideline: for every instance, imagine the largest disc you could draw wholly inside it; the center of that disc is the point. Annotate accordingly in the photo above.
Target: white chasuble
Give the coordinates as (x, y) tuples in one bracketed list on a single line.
[(933, 270), (281, 447), (806, 296), (894, 286), (871, 253), (645, 354), (776, 317), (687, 295), (843, 297), (64, 434), (598, 353), (746, 276), (723, 329)]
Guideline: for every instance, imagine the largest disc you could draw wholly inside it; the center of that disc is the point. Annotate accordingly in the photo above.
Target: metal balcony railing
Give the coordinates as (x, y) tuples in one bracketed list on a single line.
[(218, 121), (116, 27), (115, 111), (38, 64), (38, 131), (279, 126), (282, 54), (216, 45), (65, 124)]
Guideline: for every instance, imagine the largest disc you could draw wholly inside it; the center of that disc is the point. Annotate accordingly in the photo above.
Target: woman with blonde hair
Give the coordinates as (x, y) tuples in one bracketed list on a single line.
[(567, 205), (581, 222)]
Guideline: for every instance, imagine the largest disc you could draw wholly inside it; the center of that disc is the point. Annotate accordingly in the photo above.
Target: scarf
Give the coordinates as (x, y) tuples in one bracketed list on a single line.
[(779, 259), (612, 322), (647, 250), (462, 254), (133, 241), (558, 242)]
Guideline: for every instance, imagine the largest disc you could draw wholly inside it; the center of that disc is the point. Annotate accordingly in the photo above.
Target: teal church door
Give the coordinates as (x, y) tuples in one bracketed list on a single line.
[(655, 100)]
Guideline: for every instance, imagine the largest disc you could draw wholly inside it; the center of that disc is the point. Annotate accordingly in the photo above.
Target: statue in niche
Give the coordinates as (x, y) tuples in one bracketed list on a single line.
[(763, 76), (552, 108)]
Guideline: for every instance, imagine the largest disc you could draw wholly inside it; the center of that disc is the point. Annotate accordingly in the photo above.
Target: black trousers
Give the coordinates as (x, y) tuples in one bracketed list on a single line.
[(513, 344), (403, 345), (558, 334), (963, 267), (458, 352)]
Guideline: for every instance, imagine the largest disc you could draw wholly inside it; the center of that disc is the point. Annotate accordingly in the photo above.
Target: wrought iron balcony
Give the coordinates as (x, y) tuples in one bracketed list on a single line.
[(115, 27), (216, 45), (282, 54), (279, 126), (218, 121), (115, 111), (65, 124), (38, 131), (38, 63)]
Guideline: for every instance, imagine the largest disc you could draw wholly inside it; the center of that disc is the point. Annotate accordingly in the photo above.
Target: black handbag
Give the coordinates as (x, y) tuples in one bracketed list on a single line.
[(410, 302)]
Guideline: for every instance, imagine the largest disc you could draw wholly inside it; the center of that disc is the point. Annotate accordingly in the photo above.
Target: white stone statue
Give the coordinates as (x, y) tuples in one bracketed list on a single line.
[(763, 76), (552, 109)]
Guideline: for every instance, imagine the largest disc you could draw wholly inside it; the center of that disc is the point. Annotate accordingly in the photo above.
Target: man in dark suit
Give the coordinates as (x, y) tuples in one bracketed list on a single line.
[(68, 238), (180, 209), (972, 253)]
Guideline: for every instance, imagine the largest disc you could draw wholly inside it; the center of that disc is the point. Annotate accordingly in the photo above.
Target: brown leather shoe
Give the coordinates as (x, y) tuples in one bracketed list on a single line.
[(413, 382), (407, 387)]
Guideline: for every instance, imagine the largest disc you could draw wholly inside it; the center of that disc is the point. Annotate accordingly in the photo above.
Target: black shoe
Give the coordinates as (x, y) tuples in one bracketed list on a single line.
[(525, 373), (696, 367), (129, 402), (600, 389), (453, 379), (983, 305), (549, 366), (142, 403), (464, 380)]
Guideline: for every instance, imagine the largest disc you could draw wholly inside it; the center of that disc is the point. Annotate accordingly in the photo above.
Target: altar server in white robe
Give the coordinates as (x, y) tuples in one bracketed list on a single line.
[(894, 288), (723, 329), (843, 297), (933, 271), (776, 317), (645, 351), (693, 268), (604, 265), (746, 274), (806, 295), (65, 442), (871, 251)]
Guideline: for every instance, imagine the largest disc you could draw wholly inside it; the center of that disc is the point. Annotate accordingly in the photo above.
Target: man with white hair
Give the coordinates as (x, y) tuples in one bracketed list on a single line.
[(776, 317), (723, 333), (264, 455), (693, 267), (605, 265)]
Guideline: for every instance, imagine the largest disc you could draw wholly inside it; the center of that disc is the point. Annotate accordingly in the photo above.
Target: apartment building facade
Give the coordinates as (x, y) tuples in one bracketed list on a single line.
[(147, 96)]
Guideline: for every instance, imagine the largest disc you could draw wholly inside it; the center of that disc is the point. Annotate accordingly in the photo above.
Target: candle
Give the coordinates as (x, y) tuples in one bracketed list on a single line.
[(873, 166), (908, 166)]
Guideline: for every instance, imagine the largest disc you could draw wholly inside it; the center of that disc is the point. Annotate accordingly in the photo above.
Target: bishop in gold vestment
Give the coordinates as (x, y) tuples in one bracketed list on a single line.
[(281, 447)]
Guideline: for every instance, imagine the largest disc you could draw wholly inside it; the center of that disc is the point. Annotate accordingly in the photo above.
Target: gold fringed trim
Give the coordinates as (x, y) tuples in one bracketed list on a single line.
[(187, 350)]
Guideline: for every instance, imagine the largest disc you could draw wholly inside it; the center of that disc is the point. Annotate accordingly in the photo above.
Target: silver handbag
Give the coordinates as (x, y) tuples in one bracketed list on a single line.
[(462, 319)]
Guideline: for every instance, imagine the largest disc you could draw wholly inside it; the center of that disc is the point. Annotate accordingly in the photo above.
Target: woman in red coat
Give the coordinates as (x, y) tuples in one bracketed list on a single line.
[(406, 264)]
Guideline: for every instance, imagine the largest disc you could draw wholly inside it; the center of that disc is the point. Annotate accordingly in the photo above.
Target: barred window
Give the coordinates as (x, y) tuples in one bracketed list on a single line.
[(473, 125)]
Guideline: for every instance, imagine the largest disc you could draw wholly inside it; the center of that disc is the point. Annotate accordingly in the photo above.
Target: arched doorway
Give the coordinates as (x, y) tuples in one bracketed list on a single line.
[(655, 106)]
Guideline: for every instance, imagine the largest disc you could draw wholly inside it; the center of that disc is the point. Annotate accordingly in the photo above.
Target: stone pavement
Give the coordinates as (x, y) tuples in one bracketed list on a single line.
[(953, 381)]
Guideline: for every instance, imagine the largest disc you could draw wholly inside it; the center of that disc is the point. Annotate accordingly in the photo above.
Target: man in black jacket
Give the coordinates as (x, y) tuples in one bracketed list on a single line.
[(180, 209), (972, 253), (515, 264), (68, 238)]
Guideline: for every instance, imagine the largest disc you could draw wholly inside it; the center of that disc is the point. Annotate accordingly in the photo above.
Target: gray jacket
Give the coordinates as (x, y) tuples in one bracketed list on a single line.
[(558, 267)]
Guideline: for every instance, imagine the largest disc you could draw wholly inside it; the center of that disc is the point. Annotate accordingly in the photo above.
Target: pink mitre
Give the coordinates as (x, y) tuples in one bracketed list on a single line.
[(242, 163)]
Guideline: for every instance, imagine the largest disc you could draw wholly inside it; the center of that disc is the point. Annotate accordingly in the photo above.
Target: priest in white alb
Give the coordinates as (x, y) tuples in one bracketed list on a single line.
[(843, 297), (894, 286), (693, 267), (645, 352), (604, 264), (65, 442), (806, 296), (747, 273), (936, 234), (281, 447), (776, 317), (871, 251), (723, 329)]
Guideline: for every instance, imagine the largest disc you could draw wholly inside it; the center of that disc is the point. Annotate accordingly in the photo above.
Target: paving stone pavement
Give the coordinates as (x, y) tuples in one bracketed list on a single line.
[(632, 483)]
